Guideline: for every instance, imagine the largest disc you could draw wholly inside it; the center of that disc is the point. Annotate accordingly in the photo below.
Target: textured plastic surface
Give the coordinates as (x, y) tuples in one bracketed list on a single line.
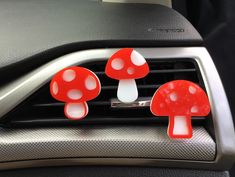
[(103, 141), (29, 28), (180, 100)]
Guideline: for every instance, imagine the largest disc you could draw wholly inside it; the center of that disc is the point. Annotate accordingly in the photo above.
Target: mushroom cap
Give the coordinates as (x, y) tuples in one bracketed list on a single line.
[(126, 64), (180, 98), (75, 84)]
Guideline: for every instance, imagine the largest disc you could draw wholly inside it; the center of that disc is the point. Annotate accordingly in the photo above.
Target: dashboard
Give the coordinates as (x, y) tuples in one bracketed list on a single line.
[(41, 38)]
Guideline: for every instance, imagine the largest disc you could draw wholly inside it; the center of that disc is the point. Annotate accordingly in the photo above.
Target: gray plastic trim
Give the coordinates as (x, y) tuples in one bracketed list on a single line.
[(104, 141), (14, 93)]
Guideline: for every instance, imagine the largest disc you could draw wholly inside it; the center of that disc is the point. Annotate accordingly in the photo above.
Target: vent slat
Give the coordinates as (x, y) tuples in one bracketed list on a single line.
[(113, 87), (42, 109), (91, 103), (160, 71)]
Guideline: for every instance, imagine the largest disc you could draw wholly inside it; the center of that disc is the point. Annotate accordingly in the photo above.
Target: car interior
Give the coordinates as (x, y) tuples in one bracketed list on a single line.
[(117, 88)]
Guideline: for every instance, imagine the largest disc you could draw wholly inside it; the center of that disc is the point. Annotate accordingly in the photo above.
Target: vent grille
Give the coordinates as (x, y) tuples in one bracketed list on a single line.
[(41, 108)]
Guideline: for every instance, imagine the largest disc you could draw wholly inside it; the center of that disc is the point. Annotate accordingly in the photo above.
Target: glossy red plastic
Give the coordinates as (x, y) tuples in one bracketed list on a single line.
[(126, 63), (74, 86), (180, 99)]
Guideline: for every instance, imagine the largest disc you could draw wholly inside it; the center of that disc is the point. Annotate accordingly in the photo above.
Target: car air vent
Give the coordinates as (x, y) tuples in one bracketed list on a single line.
[(41, 108)]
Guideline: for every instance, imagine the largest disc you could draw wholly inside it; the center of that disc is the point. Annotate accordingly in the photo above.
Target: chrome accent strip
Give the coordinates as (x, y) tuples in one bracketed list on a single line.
[(167, 3), (141, 102), (14, 93)]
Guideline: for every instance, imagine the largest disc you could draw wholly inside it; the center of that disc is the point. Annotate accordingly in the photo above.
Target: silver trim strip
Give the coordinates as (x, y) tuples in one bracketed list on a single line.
[(16, 92), (141, 102), (167, 3)]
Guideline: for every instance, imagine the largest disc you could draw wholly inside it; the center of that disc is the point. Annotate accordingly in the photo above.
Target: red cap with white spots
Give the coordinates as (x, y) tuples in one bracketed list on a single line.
[(75, 85), (180, 100), (126, 65)]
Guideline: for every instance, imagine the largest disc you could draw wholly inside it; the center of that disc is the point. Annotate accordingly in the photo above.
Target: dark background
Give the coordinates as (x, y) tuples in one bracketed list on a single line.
[(215, 21)]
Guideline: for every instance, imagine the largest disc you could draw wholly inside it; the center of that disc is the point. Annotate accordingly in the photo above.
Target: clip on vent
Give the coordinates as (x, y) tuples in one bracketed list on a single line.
[(41, 108)]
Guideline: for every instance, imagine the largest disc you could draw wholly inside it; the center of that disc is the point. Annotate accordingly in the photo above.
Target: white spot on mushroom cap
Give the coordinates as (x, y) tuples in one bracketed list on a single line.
[(55, 88), (137, 59), (117, 64), (74, 94), (194, 109), (75, 110), (69, 75), (173, 96), (192, 89), (90, 83), (130, 70)]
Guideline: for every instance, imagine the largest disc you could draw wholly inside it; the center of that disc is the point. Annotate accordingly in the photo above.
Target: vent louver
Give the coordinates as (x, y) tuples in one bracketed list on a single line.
[(41, 108)]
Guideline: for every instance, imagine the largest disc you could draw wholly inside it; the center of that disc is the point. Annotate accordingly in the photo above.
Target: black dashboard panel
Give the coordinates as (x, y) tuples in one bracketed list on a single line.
[(100, 171), (43, 30)]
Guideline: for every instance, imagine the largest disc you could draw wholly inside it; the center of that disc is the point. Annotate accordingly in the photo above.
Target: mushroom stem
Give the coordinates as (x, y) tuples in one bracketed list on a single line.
[(76, 111), (180, 127), (127, 90)]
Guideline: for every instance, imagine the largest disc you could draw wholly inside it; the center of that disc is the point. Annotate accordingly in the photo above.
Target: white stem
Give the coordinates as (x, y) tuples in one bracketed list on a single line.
[(180, 126), (127, 91), (76, 111)]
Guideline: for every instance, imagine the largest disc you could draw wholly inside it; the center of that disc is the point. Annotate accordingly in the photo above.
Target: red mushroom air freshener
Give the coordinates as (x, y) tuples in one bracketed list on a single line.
[(75, 86), (180, 100), (126, 65)]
